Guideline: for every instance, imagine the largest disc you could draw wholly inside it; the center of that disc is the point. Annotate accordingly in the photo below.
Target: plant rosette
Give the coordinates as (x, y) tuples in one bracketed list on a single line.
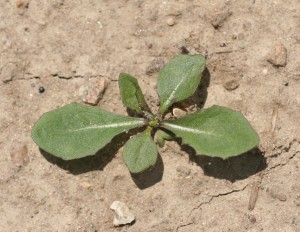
[(76, 131)]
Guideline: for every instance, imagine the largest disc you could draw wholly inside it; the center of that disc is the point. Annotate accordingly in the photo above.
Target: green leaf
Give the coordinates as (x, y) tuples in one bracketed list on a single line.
[(75, 131), (131, 93), (140, 152), (179, 79), (216, 131), (161, 136)]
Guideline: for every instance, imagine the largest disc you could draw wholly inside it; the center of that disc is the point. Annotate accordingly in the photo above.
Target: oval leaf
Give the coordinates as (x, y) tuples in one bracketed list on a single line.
[(216, 131), (140, 152), (75, 131), (179, 79), (132, 96)]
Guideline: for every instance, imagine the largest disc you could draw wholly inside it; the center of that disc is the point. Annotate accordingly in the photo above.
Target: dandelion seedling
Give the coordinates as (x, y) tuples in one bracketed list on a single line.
[(76, 131)]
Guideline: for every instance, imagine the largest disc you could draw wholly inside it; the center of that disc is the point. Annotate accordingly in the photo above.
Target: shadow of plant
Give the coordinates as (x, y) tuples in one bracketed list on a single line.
[(232, 169), (151, 176)]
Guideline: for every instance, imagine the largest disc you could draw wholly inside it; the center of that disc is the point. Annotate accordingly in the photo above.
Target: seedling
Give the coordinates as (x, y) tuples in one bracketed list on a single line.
[(75, 131)]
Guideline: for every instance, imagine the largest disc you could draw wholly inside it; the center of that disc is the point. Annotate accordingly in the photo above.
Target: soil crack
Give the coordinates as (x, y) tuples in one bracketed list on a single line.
[(212, 197)]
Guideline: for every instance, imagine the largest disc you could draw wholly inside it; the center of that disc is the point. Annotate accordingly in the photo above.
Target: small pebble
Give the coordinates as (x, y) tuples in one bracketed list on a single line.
[(93, 90), (41, 89), (251, 218), (278, 55), (178, 113), (231, 85), (241, 46), (32, 85), (85, 185), (123, 214), (19, 155), (265, 71), (170, 21), (219, 18), (155, 66)]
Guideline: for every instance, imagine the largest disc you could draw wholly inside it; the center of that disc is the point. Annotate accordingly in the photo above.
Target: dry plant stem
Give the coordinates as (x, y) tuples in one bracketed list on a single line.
[(254, 192)]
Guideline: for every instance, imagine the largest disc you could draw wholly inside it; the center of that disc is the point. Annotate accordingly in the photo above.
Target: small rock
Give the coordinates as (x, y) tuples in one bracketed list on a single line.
[(155, 66), (231, 85), (265, 71), (251, 218), (178, 113), (8, 72), (170, 21), (19, 155), (183, 171), (93, 90), (219, 18), (241, 45), (123, 214), (85, 185), (278, 55), (222, 45), (276, 194)]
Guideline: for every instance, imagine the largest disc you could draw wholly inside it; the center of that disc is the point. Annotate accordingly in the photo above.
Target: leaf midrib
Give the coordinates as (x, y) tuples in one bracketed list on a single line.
[(193, 130), (113, 125), (169, 100)]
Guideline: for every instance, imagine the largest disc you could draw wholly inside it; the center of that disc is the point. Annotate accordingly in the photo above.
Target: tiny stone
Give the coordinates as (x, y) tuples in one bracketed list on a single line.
[(265, 71), (155, 66), (85, 185), (123, 214), (231, 85), (93, 90), (41, 89), (251, 218), (219, 18), (32, 85), (178, 113), (241, 46), (8, 72), (19, 155), (278, 55), (128, 45), (170, 21)]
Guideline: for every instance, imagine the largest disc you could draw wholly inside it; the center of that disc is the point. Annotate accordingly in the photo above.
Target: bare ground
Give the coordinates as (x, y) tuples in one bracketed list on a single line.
[(57, 44)]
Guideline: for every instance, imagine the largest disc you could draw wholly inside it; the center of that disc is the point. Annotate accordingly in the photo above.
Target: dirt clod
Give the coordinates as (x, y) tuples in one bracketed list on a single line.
[(219, 18), (8, 72), (93, 90), (278, 55), (276, 193), (19, 155), (155, 66), (231, 85)]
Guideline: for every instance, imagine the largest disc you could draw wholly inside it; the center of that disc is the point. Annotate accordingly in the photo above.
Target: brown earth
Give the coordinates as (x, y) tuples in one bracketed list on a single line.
[(58, 43)]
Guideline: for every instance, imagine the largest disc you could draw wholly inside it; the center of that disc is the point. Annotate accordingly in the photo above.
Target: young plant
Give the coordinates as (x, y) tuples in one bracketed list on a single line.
[(75, 131)]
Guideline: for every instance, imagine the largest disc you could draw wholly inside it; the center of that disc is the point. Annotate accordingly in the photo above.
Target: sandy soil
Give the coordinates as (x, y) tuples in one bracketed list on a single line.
[(57, 44)]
